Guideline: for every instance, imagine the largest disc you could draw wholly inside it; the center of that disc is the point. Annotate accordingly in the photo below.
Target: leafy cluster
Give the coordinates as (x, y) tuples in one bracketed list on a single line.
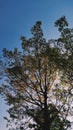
[(39, 86)]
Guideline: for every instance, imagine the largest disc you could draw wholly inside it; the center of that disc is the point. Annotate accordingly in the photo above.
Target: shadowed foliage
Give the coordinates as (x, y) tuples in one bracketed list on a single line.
[(39, 80)]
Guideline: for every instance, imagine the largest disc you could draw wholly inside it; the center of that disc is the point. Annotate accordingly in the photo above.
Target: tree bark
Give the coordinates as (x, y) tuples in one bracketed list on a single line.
[(46, 125)]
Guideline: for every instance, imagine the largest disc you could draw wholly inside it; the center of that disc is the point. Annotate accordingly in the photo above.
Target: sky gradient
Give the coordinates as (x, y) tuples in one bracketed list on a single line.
[(18, 16)]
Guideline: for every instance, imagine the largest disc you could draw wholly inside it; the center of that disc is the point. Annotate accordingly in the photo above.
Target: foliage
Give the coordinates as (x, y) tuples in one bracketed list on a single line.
[(39, 80)]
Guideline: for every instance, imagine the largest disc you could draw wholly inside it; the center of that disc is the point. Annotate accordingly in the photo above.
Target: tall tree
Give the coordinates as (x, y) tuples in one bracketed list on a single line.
[(36, 85)]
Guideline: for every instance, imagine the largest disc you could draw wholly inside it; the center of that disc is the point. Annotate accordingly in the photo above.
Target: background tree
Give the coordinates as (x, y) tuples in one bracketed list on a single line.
[(37, 88)]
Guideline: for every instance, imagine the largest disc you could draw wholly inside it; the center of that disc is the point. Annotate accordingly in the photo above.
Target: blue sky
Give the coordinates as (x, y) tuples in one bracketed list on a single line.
[(18, 16)]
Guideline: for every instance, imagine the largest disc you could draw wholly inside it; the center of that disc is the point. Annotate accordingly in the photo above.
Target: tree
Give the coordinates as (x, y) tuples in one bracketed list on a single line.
[(37, 88)]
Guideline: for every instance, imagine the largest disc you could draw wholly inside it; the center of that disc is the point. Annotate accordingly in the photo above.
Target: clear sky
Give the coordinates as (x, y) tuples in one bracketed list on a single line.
[(18, 16)]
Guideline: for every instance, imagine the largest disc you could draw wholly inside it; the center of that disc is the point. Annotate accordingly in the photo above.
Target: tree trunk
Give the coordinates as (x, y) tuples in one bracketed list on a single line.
[(46, 125)]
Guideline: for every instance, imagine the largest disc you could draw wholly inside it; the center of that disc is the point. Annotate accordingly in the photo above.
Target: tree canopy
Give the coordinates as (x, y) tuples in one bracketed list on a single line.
[(39, 85)]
